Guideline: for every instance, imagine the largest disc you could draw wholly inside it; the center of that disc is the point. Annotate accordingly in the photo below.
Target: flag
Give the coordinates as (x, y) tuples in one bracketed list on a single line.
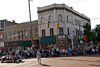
[(85, 38)]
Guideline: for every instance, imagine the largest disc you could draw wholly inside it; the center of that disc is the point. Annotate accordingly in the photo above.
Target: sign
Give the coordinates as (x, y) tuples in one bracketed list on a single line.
[(61, 37)]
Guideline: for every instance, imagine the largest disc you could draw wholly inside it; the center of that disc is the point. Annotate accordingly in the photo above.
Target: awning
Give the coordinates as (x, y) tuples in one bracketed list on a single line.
[(47, 39), (26, 43)]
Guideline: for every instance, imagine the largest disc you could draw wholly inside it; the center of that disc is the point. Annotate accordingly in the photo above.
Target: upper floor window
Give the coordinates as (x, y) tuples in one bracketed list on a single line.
[(51, 31), (60, 17), (10, 35), (19, 34), (22, 34), (43, 32), (61, 31), (2, 25), (67, 18), (42, 20), (14, 35), (26, 33), (6, 35), (50, 19)]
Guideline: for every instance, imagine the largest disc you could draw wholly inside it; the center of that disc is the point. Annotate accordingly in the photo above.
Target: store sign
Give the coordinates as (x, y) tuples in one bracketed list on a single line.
[(61, 37)]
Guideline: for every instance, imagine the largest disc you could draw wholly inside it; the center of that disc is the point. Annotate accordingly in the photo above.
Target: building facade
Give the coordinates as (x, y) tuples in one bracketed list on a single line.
[(4, 23), (70, 25), (20, 34)]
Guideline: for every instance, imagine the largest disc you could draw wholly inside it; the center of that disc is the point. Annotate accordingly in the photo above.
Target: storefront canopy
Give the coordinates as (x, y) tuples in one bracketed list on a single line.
[(47, 39), (26, 43)]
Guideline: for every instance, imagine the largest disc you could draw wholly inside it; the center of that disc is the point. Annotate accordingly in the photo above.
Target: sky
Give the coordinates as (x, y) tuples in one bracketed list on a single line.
[(18, 9)]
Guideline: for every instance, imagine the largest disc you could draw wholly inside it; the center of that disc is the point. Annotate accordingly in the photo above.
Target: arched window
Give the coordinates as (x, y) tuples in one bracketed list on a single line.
[(50, 19), (42, 20), (60, 17)]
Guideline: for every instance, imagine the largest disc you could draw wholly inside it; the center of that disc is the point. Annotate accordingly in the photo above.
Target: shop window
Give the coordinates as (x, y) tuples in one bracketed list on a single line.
[(61, 31)]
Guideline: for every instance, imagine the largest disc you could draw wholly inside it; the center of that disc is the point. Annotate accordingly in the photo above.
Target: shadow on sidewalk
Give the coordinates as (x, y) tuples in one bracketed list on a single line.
[(45, 65), (82, 60), (13, 62), (94, 65)]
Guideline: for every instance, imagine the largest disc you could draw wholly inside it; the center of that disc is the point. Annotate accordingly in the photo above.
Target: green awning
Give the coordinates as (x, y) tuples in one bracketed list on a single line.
[(47, 39), (26, 43)]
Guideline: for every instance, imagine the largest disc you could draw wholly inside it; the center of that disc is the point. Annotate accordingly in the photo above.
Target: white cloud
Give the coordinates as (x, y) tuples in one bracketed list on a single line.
[(18, 9)]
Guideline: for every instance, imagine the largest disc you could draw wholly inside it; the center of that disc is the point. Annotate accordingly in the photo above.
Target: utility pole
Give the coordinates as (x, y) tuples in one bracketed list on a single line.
[(79, 32), (71, 31), (30, 21)]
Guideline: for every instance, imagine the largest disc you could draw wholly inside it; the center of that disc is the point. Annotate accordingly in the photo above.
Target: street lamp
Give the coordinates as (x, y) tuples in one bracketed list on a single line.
[(30, 20)]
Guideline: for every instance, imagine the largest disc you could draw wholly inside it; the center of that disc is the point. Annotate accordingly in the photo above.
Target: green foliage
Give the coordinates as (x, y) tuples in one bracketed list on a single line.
[(87, 32), (97, 29)]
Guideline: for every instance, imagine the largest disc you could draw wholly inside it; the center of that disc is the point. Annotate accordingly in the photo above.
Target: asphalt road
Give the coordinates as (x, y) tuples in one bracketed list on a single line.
[(78, 61)]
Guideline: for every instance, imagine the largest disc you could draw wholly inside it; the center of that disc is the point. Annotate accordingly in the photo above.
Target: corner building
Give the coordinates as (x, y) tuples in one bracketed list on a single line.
[(70, 25)]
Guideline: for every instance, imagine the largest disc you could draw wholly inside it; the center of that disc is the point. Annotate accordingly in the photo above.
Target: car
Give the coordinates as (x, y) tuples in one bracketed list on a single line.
[(11, 58)]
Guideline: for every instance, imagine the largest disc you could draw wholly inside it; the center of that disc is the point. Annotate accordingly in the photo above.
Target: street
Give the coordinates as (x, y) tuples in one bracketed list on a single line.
[(75, 61)]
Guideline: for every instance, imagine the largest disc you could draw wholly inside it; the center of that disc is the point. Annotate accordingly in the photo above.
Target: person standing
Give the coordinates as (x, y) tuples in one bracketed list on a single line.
[(38, 55)]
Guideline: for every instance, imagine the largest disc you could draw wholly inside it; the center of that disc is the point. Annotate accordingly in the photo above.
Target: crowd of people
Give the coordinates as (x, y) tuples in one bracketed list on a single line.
[(54, 52)]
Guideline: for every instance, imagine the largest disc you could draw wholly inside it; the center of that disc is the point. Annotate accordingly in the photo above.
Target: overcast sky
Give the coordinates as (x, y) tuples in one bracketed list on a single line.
[(18, 9)]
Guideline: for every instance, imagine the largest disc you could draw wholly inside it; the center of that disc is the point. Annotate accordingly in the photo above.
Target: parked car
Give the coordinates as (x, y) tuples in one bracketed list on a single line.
[(11, 58)]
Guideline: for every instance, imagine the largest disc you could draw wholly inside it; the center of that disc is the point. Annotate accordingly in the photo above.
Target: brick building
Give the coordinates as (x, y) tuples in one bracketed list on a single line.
[(4, 23), (20, 35)]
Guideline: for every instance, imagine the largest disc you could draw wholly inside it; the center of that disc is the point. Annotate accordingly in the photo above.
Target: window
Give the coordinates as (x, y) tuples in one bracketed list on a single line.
[(19, 34), (26, 33), (61, 31), (42, 20), (2, 24), (43, 32), (6, 36), (50, 18), (1, 37), (68, 31), (59, 17), (76, 32), (51, 31), (22, 34), (10, 35), (67, 19), (14, 35)]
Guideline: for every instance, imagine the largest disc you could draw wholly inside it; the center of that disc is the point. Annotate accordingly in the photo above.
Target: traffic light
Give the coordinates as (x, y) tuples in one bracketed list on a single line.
[(57, 25), (47, 24)]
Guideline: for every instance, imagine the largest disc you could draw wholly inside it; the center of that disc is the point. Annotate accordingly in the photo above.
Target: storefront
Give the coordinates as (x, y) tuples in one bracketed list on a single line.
[(47, 41)]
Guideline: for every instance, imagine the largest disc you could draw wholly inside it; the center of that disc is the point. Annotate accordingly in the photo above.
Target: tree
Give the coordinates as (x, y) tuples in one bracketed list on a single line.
[(93, 35), (87, 32), (97, 31)]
